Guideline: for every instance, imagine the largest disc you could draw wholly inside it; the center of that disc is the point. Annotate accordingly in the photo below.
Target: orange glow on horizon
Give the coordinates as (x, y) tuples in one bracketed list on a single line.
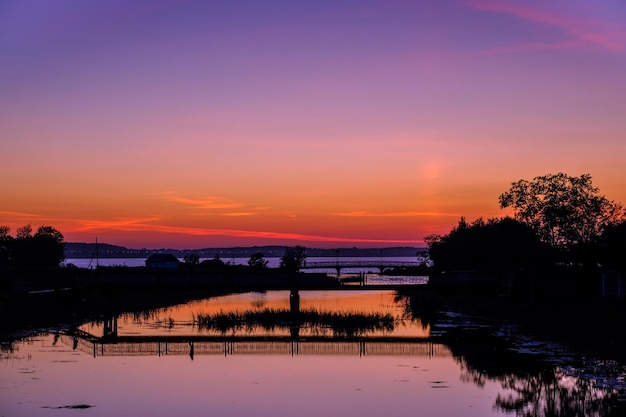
[(358, 135)]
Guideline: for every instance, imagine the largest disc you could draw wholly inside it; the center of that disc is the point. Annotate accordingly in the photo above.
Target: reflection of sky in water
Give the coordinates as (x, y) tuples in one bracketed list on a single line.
[(178, 320), (245, 385), (43, 375)]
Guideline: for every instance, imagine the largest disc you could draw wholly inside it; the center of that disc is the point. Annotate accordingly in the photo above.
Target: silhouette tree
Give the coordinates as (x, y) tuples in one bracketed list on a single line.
[(46, 248), (24, 232), (565, 211), (216, 262), (4, 232), (493, 245), (191, 259), (6, 242), (293, 259), (257, 261), (613, 246)]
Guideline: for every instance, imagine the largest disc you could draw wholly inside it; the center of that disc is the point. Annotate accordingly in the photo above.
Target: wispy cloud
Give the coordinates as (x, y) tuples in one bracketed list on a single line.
[(396, 214), (119, 223), (207, 202), (19, 215), (216, 206), (529, 46), (580, 31), (147, 225)]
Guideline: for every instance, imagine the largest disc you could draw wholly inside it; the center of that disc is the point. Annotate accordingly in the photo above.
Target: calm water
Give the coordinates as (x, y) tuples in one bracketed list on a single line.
[(272, 262), (372, 274), (277, 353)]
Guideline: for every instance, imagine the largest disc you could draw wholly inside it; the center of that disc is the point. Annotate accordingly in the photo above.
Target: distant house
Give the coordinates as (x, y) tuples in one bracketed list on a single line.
[(162, 261)]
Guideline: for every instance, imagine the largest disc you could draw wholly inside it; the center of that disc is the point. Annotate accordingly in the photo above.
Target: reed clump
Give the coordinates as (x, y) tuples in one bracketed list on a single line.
[(339, 324)]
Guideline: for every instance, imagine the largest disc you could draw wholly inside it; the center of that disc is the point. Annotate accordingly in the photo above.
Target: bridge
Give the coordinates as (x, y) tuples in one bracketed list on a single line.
[(381, 265), (207, 345)]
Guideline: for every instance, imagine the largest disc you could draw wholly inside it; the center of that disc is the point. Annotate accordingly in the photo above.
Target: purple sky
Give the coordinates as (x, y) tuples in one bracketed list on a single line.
[(321, 123)]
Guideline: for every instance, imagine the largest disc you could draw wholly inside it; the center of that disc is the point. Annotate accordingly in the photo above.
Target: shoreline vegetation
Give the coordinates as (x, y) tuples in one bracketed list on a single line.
[(555, 268), (583, 321), (592, 326), (78, 250)]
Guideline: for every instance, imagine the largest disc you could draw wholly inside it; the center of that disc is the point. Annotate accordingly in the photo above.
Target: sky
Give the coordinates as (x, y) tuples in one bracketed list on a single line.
[(189, 124)]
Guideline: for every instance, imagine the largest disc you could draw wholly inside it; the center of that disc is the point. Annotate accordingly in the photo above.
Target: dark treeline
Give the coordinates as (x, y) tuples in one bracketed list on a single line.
[(44, 248), (530, 387), (562, 230), (103, 250), (487, 245)]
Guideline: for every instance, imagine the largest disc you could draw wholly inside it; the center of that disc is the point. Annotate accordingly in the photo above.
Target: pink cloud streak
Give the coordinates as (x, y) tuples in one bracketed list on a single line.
[(19, 215), (143, 225), (396, 214), (606, 36), (210, 202)]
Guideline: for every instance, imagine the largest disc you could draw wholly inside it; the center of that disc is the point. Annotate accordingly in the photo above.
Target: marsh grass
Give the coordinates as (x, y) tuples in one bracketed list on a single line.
[(345, 324)]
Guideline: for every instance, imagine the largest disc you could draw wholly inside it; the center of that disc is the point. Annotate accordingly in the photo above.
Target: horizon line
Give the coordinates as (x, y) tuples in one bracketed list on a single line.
[(251, 246)]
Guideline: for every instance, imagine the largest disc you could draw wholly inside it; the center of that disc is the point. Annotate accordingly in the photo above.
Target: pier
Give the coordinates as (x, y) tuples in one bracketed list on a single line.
[(227, 346), (381, 265)]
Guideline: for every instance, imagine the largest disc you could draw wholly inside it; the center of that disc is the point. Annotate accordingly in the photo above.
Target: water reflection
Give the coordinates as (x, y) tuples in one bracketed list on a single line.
[(363, 323), (272, 314), (386, 348), (554, 393), (545, 392), (529, 386), (202, 345), (532, 386), (314, 322)]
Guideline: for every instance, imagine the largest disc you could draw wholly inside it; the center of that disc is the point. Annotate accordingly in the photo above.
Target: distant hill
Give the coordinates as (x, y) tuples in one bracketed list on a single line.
[(88, 250)]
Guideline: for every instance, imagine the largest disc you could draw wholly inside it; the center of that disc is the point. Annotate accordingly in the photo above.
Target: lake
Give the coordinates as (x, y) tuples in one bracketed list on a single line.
[(371, 275), (306, 353), (272, 262)]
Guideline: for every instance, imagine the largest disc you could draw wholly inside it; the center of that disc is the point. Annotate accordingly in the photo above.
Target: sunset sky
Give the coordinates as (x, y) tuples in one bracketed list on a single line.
[(367, 123)]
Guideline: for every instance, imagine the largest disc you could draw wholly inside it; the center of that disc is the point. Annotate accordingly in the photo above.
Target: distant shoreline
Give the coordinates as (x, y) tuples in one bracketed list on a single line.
[(75, 250)]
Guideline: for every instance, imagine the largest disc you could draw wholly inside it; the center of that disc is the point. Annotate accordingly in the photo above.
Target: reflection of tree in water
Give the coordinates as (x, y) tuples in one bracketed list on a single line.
[(553, 393), (146, 316), (7, 351), (532, 388), (418, 308), (153, 317)]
